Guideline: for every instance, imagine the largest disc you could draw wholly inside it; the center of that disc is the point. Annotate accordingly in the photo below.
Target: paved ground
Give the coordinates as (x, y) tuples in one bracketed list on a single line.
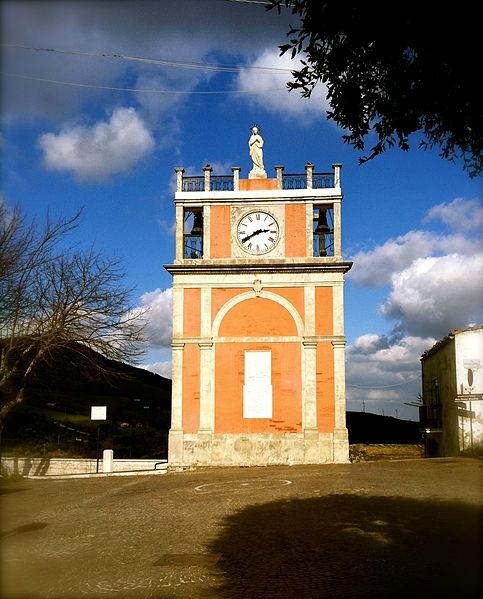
[(378, 529)]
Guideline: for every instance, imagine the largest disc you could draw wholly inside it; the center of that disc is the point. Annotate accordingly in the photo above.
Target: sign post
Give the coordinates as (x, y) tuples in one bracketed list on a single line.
[(98, 413)]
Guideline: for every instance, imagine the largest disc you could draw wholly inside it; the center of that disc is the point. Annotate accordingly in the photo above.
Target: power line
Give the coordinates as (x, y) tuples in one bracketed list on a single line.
[(264, 2), (162, 62), (386, 386), (138, 90)]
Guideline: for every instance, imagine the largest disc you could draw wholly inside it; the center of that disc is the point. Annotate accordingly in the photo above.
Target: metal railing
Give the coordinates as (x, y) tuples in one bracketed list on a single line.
[(193, 184), (294, 181), (299, 181), (221, 183), (289, 181), (322, 180)]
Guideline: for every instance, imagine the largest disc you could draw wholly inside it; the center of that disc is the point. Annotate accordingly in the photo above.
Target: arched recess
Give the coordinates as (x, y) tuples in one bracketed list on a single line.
[(230, 304)]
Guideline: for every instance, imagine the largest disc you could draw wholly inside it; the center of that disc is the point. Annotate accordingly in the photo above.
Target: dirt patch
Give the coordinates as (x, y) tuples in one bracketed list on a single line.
[(372, 453)]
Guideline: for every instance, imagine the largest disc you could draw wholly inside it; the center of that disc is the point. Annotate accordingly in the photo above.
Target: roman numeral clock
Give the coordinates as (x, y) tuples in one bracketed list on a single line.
[(258, 232), (258, 319)]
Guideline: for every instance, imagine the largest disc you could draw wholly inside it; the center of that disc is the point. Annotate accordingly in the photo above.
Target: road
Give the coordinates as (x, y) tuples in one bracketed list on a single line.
[(395, 529)]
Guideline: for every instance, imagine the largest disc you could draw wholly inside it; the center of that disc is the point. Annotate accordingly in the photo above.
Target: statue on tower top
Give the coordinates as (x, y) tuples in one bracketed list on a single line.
[(255, 144)]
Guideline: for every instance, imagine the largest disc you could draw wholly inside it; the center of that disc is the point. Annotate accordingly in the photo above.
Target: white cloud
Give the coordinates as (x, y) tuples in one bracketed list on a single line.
[(284, 103), (436, 294), (97, 152), (436, 284), (384, 394), (369, 343), (376, 267), (383, 373), (157, 308), (460, 214), (162, 368)]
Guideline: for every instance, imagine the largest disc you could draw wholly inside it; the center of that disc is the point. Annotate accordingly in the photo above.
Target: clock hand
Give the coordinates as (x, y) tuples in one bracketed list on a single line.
[(257, 232)]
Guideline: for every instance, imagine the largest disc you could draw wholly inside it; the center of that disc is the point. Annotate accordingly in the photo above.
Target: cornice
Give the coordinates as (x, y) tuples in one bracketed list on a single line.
[(256, 267), (272, 195)]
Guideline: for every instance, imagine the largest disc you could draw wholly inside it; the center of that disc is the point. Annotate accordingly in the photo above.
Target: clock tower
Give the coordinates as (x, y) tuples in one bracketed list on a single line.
[(258, 319)]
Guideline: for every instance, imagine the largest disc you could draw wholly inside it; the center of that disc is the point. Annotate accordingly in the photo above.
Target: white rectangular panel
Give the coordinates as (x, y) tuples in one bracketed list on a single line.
[(257, 390), (98, 412)]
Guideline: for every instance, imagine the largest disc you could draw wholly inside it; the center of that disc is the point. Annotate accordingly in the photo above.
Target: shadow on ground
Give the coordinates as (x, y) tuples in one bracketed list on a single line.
[(18, 530), (351, 546)]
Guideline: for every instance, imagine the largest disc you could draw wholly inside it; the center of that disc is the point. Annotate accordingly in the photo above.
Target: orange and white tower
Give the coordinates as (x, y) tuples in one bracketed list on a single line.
[(258, 320)]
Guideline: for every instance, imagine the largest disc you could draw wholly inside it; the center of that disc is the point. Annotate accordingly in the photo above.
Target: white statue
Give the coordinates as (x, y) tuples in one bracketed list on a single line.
[(255, 144)]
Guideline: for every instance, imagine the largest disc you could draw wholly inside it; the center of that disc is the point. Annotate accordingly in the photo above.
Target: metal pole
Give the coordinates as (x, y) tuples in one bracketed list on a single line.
[(97, 449), (471, 426), (462, 434)]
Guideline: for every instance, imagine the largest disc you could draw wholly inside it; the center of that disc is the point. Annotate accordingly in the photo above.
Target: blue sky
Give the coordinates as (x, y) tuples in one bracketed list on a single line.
[(411, 221)]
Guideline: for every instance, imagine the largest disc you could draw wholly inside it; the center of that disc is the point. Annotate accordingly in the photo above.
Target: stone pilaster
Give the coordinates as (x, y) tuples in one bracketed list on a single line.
[(175, 441), (309, 168), (178, 308), (338, 308), (309, 229), (207, 404), (279, 175), (207, 169), (179, 178), (341, 441), (337, 230), (309, 309), (206, 231), (339, 383), (177, 386), (310, 385), (236, 177), (337, 166), (206, 312), (179, 232)]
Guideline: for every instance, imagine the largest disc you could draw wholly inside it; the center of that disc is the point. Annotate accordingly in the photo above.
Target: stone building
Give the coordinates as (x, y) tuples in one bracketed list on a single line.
[(452, 412), (258, 324)]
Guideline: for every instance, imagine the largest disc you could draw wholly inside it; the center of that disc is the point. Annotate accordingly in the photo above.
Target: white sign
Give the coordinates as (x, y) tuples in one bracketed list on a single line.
[(98, 412), (257, 390)]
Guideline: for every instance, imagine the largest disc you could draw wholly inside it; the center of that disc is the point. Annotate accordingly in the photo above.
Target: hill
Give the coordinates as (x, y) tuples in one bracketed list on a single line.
[(54, 419), (365, 427)]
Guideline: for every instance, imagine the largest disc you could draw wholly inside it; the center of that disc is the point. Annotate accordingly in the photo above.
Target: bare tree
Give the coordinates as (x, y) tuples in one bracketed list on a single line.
[(52, 299)]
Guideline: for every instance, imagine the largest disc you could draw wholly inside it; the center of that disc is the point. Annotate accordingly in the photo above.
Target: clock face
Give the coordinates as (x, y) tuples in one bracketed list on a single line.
[(258, 232)]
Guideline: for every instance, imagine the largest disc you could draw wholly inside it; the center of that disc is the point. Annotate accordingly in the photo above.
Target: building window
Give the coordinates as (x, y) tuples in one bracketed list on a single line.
[(193, 233), (323, 230)]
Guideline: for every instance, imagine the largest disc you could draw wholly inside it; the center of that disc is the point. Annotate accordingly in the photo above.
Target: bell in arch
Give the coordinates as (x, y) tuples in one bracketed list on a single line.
[(322, 227), (197, 223)]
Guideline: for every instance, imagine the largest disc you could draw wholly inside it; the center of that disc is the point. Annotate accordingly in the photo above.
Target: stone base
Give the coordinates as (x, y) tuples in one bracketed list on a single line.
[(260, 449), (257, 173)]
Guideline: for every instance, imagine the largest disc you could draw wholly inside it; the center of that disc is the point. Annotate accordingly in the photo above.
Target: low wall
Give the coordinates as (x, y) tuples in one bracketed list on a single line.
[(59, 466)]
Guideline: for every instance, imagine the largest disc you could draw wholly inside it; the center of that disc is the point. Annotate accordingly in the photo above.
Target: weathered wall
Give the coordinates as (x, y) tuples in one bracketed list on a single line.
[(469, 356), (441, 366), (286, 381), (60, 466)]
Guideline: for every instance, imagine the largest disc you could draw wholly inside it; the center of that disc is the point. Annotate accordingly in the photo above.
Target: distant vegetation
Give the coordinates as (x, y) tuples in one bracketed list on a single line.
[(365, 427), (54, 418)]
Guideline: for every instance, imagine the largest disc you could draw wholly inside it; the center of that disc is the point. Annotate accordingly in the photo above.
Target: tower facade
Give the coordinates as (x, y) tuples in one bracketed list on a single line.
[(258, 320)]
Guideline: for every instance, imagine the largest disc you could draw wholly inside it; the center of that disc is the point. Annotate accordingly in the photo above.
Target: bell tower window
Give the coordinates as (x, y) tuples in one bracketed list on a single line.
[(193, 233), (323, 230)]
